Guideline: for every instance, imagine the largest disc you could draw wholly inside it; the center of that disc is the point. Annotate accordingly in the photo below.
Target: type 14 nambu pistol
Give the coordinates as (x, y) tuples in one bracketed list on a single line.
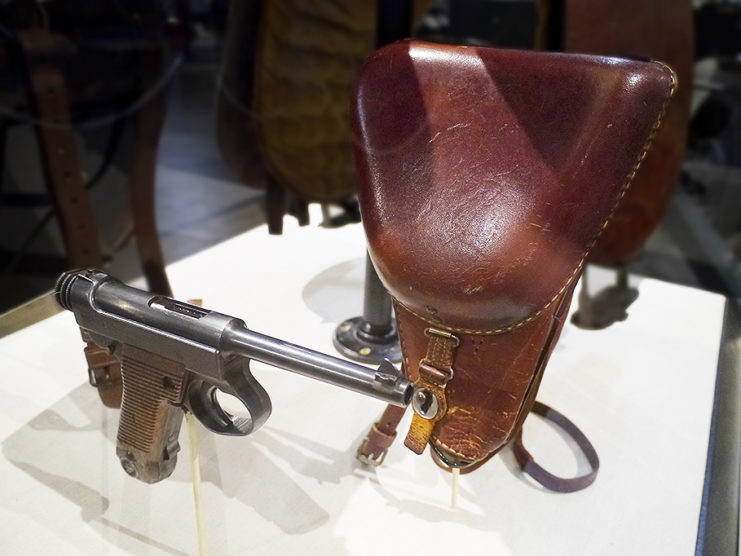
[(176, 356)]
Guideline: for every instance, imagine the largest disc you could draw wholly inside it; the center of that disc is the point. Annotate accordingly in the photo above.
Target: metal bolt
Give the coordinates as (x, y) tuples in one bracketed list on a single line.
[(425, 404), (128, 464)]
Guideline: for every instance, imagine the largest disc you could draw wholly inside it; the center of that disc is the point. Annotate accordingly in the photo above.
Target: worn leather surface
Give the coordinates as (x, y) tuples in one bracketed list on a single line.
[(496, 379), (660, 30), (485, 178), (488, 174)]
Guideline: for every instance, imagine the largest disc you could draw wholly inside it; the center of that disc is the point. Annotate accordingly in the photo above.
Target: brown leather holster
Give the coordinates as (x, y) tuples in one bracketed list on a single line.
[(486, 176)]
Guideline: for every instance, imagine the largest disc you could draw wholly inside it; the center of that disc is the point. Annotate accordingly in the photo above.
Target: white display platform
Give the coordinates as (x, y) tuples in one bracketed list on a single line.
[(642, 391)]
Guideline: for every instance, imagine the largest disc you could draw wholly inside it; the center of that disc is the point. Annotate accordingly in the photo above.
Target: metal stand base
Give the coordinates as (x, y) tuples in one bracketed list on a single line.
[(354, 340), (371, 338), (607, 307)]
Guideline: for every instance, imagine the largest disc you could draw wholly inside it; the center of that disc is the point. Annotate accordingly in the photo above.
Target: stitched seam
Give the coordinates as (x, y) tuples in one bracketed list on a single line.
[(449, 449), (402, 344), (629, 180)]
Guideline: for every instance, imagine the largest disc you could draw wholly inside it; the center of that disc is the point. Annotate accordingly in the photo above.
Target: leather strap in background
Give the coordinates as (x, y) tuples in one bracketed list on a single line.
[(149, 124), (545, 478), (65, 182), (59, 145)]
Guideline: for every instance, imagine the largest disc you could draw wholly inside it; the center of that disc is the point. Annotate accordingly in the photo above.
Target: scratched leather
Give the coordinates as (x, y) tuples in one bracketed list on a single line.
[(485, 176), (661, 30), (487, 396)]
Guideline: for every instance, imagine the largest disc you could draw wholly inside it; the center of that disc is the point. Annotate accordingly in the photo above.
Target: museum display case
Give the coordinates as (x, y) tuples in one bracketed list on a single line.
[(422, 276)]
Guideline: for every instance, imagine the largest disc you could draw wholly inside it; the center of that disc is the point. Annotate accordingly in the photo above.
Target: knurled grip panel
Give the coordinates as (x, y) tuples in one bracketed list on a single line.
[(153, 387)]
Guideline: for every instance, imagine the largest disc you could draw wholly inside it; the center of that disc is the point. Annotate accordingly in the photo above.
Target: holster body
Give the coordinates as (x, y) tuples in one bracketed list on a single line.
[(486, 177)]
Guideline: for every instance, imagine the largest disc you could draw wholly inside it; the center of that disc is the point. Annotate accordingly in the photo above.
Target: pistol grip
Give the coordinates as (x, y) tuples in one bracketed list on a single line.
[(150, 422)]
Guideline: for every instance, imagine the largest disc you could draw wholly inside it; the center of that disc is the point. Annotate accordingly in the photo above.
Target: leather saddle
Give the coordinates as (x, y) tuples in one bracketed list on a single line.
[(486, 176), (657, 29), (283, 110)]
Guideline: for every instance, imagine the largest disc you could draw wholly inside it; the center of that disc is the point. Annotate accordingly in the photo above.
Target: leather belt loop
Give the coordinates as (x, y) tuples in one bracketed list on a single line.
[(429, 400), (441, 349)]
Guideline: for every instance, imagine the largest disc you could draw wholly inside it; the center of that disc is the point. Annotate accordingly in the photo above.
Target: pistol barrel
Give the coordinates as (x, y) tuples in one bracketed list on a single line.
[(384, 383), (201, 339)]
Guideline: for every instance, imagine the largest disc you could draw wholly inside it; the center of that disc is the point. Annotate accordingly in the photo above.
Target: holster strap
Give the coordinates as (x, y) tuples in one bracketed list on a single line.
[(373, 449), (435, 371), (545, 478)]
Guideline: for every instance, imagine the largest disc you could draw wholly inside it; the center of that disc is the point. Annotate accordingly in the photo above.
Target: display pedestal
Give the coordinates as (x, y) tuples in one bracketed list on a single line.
[(641, 390)]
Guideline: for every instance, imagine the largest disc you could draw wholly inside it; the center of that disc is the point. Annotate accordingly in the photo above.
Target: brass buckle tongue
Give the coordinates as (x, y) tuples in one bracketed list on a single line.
[(429, 401), (92, 378), (369, 459)]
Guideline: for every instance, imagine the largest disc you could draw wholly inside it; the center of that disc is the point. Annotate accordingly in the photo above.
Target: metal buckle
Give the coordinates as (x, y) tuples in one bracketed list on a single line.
[(368, 460), (430, 331), (91, 377)]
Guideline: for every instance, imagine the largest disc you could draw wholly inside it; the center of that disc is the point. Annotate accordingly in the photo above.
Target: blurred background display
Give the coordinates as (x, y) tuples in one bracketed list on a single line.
[(209, 118)]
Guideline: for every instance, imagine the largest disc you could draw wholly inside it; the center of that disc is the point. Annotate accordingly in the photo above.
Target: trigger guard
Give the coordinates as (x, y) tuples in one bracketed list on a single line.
[(200, 399)]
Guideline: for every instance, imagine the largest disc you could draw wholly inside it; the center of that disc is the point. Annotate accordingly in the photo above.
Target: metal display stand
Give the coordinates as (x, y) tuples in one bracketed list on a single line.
[(606, 307), (372, 337)]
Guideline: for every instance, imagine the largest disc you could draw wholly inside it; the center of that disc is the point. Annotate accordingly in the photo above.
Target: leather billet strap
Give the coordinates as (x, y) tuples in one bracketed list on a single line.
[(373, 449), (429, 400), (149, 124), (43, 54), (64, 179), (545, 478), (59, 145)]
